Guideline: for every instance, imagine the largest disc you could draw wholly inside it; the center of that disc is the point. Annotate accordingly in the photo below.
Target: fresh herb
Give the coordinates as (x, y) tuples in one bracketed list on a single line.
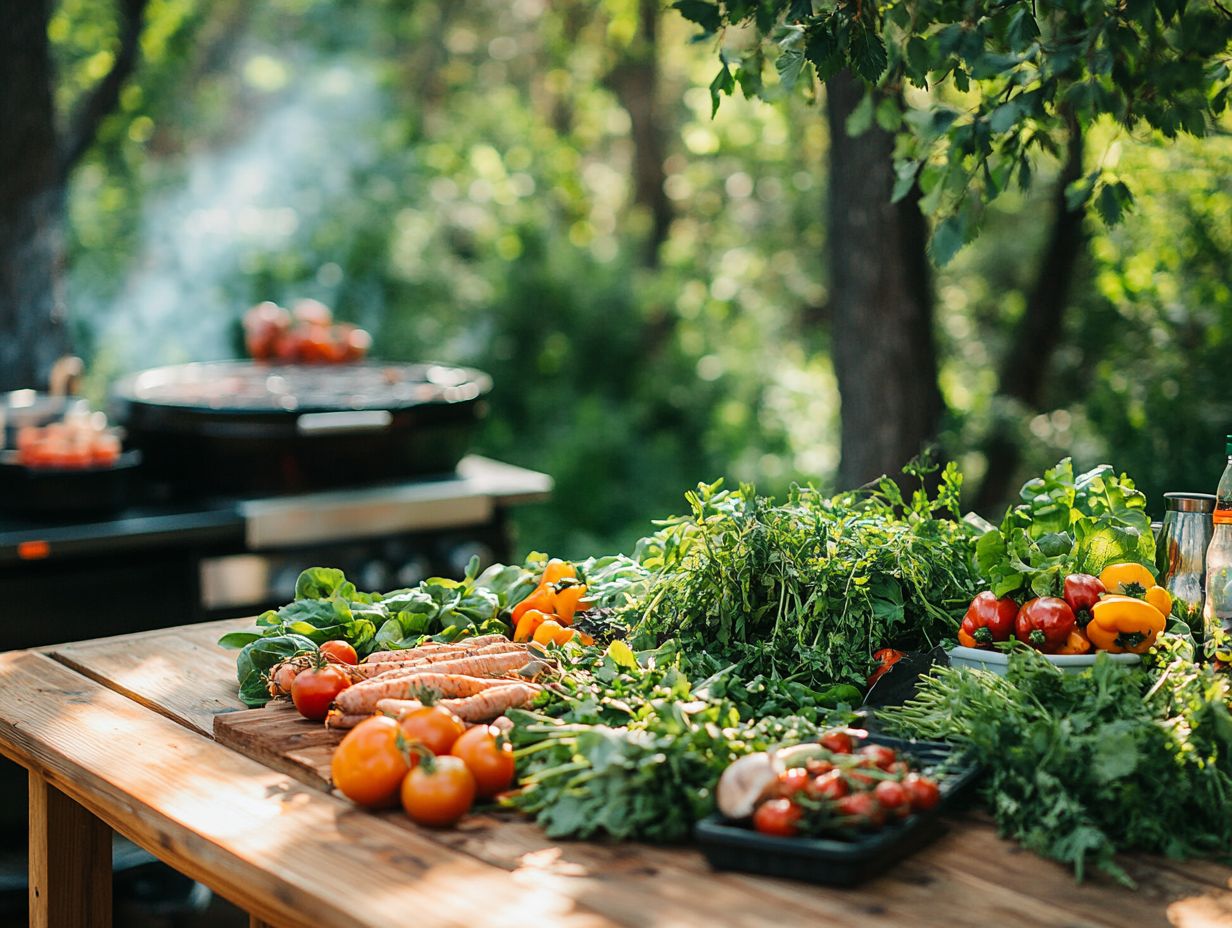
[(807, 590), (1066, 525), (629, 748), (1082, 766)]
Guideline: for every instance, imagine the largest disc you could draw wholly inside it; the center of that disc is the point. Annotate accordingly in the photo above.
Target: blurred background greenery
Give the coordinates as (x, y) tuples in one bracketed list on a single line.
[(463, 180)]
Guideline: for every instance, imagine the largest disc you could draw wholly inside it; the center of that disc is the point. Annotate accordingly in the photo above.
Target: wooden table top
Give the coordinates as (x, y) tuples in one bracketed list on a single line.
[(122, 725)]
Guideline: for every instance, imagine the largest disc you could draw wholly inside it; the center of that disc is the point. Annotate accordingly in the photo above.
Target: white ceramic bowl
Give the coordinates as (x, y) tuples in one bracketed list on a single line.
[(998, 662)]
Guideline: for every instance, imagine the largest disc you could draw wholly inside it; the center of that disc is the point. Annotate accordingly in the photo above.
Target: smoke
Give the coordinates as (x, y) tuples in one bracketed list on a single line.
[(245, 218)]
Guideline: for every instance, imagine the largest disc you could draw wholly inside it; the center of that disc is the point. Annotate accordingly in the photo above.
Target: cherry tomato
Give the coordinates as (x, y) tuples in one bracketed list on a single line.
[(315, 688), (488, 757), (863, 810), (340, 652), (777, 817), (893, 798), (435, 727), (368, 766), (793, 781), (880, 755), (438, 792), (923, 792), (838, 741), (829, 785)]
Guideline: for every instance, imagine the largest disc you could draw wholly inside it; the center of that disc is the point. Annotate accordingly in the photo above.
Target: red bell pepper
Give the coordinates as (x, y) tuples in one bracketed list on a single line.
[(1044, 623), (988, 619), (1081, 593)]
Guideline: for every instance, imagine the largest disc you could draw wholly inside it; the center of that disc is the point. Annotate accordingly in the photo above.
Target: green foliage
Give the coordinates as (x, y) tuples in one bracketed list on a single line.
[(977, 91), (1082, 766), (1065, 525), (806, 590)]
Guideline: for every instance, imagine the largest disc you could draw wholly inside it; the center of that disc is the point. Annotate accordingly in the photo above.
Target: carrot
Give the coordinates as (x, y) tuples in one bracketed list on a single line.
[(336, 719), (397, 707), (363, 697), (433, 647), (485, 706), (368, 671), (474, 665)]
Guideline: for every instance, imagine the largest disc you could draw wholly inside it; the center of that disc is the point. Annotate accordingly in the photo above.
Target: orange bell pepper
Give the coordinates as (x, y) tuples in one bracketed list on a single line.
[(1076, 643), (568, 598), (529, 624), (557, 570), (542, 598)]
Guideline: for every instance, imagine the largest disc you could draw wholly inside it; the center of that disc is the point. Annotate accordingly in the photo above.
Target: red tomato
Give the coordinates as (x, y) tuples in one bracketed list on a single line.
[(777, 817), (893, 798), (793, 781), (838, 741), (488, 756), (340, 652), (439, 792), (923, 792), (315, 688), (435, 727), (862, 809), (830, 785), (880, 755)]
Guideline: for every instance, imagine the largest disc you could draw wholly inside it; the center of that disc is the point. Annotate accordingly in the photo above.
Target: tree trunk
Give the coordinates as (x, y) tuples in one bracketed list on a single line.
[(635, 81), (881, 304), (1024, 368), (33, 329)]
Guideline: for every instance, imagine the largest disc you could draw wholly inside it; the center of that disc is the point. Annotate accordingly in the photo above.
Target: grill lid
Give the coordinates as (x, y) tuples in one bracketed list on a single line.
[(247, 387)]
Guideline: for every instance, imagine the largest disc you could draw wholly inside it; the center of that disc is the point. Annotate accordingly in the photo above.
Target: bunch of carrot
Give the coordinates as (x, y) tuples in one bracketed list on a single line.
[(546, 614), (476, 679)]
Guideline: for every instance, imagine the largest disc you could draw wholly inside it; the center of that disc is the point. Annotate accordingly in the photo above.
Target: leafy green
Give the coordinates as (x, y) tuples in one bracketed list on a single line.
[(806, 591), (255, 660), (1066, 525), (1082, 766), (629, 748)]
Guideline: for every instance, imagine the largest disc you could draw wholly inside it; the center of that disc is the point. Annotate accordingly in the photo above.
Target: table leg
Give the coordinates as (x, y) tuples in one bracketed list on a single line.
[(70, 862)]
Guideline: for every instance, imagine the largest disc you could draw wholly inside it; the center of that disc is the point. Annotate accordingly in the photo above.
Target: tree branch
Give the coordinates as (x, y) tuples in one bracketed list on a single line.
[(102, 100)]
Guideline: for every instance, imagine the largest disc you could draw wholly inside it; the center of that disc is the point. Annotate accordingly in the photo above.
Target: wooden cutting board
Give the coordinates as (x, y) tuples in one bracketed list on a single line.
[(279, 737)]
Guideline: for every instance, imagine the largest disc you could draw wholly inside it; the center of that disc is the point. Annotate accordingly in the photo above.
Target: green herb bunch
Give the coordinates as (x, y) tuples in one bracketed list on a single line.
[(630, 749), (1082, 766), (809, 589)]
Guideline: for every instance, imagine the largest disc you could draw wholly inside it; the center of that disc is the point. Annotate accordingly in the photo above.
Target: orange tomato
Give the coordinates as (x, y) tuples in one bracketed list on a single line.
[(438, 791), (435, 727), (489, 758), (367, 766)]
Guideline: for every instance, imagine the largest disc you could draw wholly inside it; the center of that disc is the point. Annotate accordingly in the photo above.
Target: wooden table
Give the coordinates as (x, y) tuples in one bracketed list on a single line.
[(116, 735)]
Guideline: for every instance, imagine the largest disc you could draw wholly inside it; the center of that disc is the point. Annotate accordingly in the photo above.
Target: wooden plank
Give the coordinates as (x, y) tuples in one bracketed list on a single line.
[(280, 738), (970, 864), (285, 853), (70, 862), (178, 672)]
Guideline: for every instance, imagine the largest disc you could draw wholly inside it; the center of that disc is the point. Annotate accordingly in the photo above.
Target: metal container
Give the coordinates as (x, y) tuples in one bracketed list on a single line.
[(1180, 551)]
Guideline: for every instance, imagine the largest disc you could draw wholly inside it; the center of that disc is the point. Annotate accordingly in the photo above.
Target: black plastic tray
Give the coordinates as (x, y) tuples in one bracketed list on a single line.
[(839, 861)]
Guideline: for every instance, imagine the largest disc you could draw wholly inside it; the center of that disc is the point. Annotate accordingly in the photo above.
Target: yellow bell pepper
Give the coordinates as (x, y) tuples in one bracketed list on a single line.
[(1122, 624), (1127, 579), (1160, 598)]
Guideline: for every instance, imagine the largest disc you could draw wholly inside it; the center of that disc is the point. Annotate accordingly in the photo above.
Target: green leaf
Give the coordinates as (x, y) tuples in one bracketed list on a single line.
[(1113, 201), (868, 53), (704, 14), (237, 639), (257, 657), (860, 119), (723, 82), (319, 583), (789, 64), (948, 237)]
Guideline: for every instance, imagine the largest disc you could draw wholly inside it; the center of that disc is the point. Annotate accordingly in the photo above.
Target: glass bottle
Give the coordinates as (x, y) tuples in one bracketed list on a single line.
[(1217, 613)]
